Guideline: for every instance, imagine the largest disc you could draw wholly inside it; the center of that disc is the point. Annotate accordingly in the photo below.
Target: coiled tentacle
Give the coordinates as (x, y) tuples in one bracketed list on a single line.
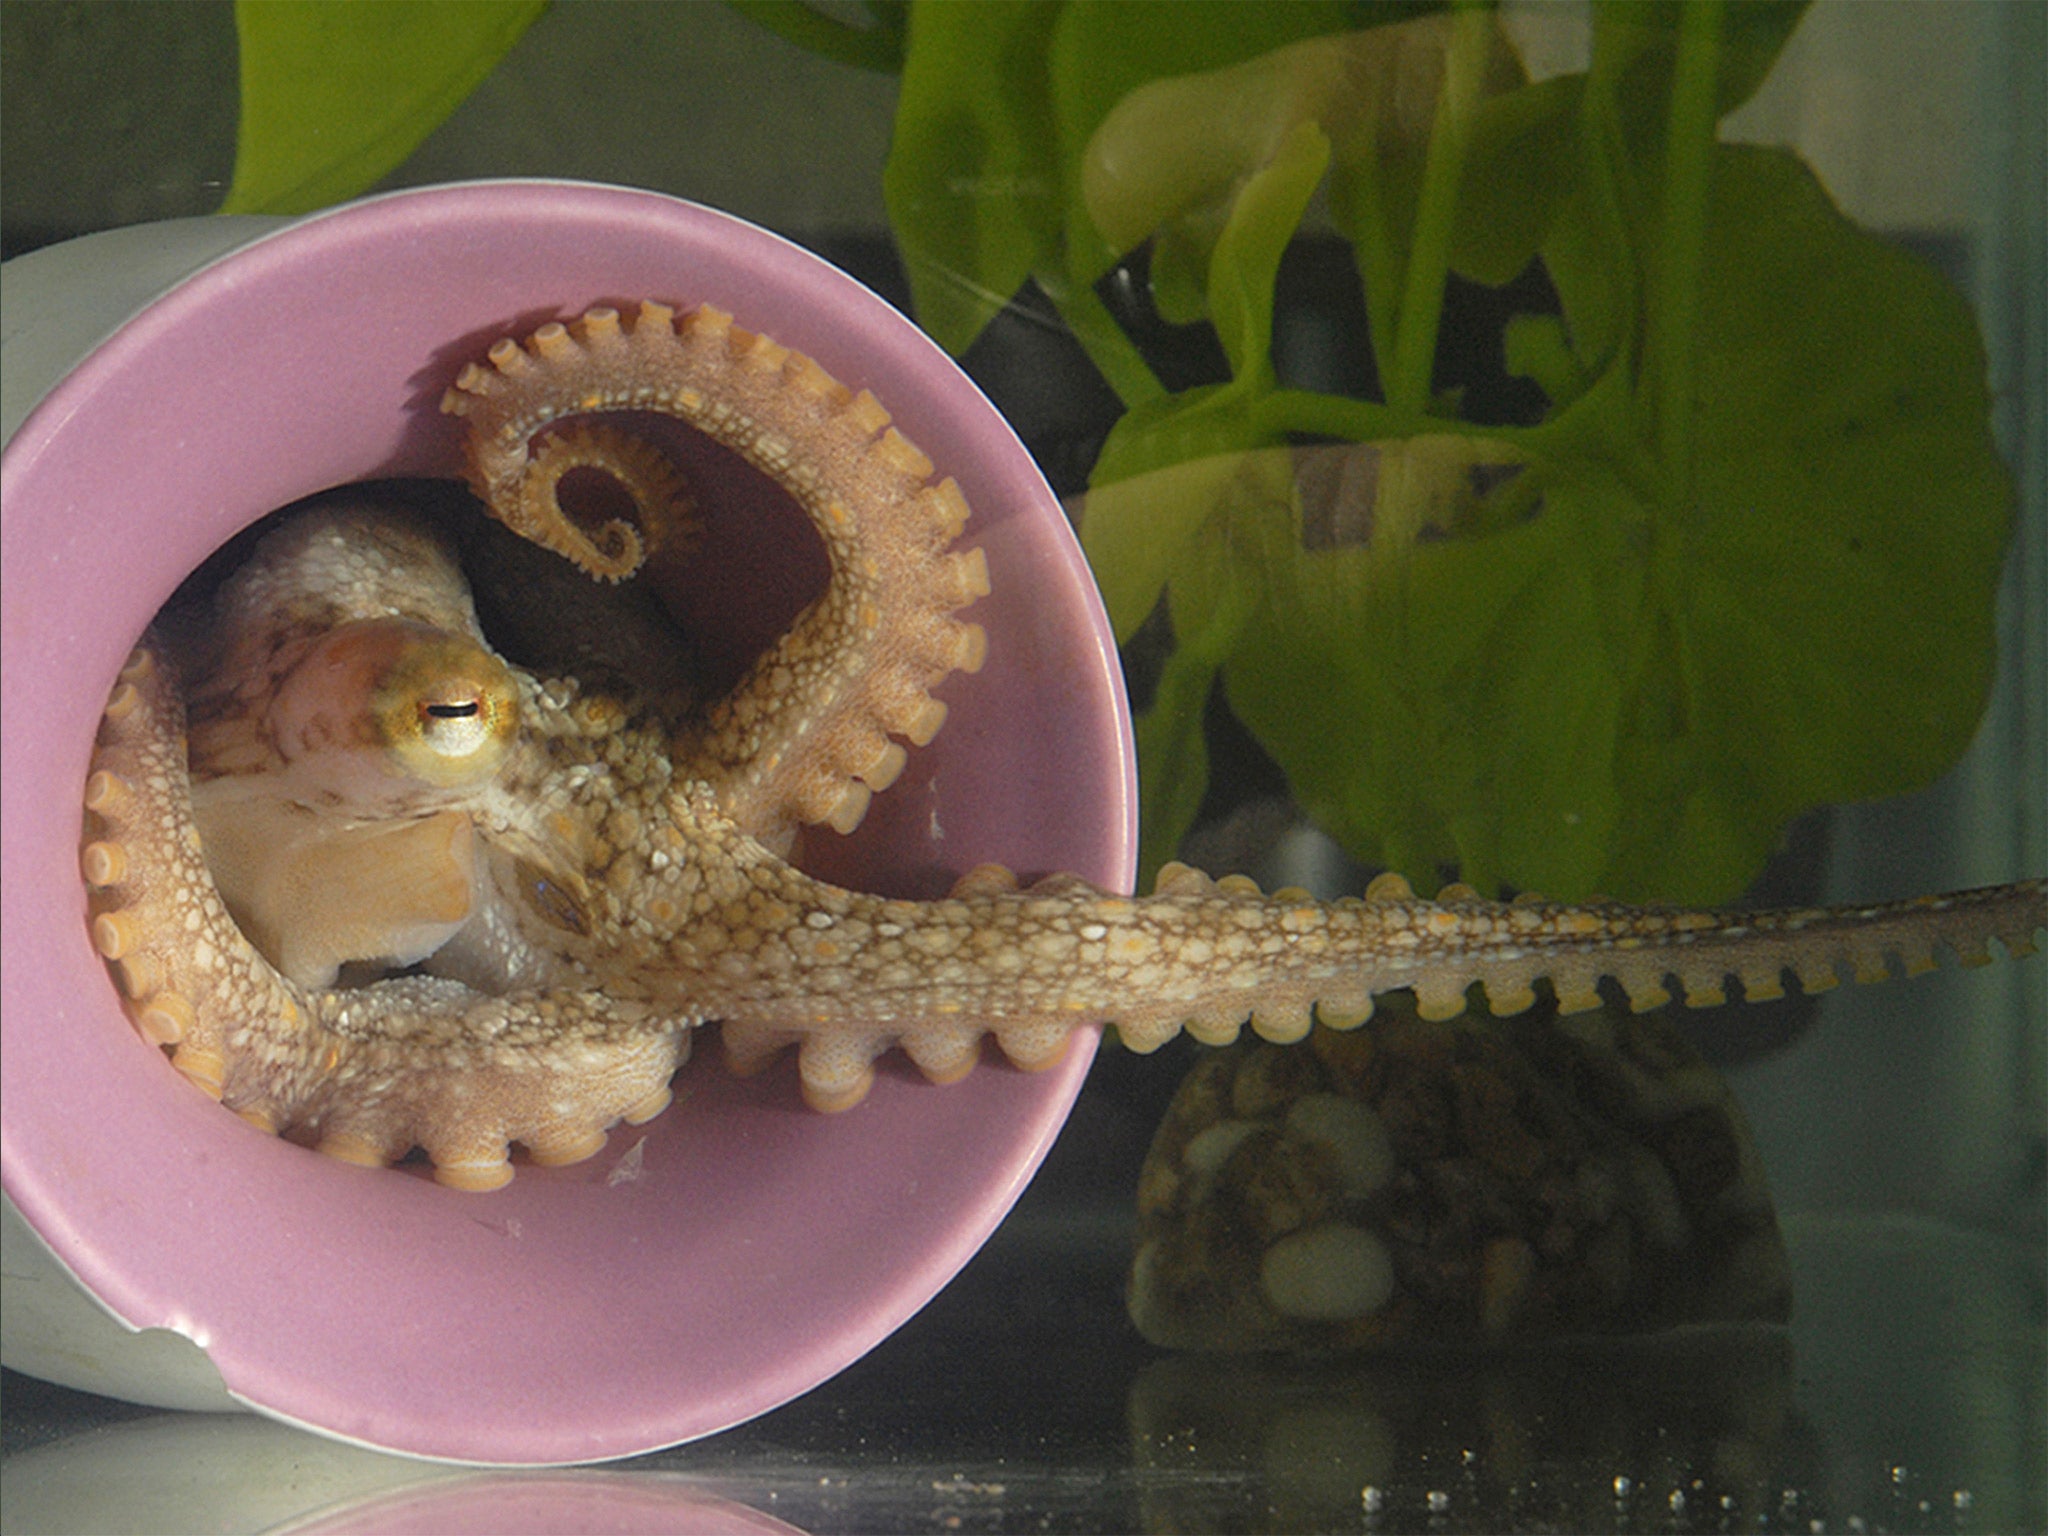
[(806, 735), (367, 1073)]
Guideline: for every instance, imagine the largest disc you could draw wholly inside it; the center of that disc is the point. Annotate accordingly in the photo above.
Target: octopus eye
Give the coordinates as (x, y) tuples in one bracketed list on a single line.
[(383, 700), (449, 710), (460, 717)]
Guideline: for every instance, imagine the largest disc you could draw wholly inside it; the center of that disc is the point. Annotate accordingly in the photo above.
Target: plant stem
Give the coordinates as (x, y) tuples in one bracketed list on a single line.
[(1379, 270), (1108, 348), (1673, 318), (1281, 411), (1603, 325), (1429, 255), (1284, 412)]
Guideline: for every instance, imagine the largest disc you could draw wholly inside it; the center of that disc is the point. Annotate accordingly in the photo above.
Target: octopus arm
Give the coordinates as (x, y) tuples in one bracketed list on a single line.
[(364, 1074), (189, 976), (424, 1061), (806, 736), (852, 976)]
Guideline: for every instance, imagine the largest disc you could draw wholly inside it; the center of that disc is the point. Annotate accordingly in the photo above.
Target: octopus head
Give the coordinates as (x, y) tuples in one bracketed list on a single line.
[(384, 706), (358, 848)]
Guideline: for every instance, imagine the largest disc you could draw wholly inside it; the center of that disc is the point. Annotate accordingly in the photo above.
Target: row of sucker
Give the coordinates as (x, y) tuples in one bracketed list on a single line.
[(806, 736), (364, 1074), (850, 976)]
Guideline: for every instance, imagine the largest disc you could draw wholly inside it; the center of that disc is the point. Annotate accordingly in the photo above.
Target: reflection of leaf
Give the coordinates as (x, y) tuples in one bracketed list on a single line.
[(1170, 466), (1168, 157), (999, 100), (1105, 55), (1245, 267), (878, 45), (1635, 689), (336, 96), (1164, 474), (970, 182)]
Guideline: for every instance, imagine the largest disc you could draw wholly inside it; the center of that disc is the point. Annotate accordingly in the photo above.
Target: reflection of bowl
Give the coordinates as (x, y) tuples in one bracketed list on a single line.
[(705, 1267), (224, 1472), (1568, 1434)]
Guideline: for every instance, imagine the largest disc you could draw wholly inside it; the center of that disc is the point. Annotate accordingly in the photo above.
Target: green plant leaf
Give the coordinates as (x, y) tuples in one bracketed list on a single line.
[(1534, 347), (1165, 159), (1173, 759), (877, 46), (1103, 54), (334, 97), (971, 182), (1644, 35), (1600, 653), (1244, 268), (1517, 167), (1458, 698), (1635, 688), (1172, 466), (1187, 141), (999, 101), (1831, 577), (1213, 590), (1166, 470), (1179, 266)]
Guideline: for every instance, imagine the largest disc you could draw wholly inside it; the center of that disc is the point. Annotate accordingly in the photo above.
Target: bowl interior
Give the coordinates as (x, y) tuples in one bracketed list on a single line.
[(705, 1267)]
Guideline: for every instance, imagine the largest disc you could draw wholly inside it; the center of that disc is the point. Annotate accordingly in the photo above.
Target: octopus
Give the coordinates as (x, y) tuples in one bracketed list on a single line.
[(376, 887)]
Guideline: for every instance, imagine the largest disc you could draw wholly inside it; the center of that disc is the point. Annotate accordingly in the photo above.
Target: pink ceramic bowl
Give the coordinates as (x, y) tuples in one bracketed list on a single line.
[(702, 1269)]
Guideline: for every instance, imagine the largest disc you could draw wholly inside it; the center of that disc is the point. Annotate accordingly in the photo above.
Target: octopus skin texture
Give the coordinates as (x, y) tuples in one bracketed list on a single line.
[(377, 887)]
